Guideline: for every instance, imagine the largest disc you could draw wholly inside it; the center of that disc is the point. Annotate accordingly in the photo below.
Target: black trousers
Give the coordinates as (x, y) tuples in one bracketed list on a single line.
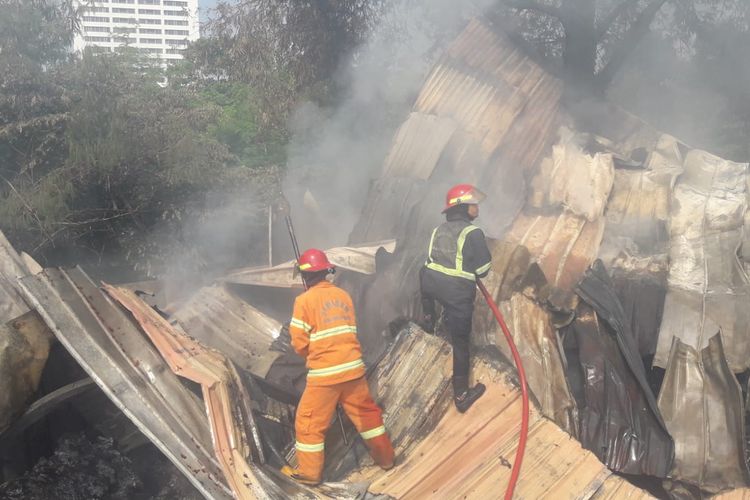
[(459, 328)]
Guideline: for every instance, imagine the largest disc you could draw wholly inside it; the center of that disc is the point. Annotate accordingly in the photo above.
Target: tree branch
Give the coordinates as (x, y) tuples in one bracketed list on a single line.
[(629, 42), (612, 17), (550, 10)]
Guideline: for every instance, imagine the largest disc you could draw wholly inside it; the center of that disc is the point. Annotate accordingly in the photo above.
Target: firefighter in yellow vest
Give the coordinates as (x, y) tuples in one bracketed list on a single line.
[(456, 257), (324, 332)]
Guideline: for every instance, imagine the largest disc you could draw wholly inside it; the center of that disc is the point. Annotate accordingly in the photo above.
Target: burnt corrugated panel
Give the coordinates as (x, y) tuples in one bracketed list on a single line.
[(573, 179), (218, 319), (532, 331), (709, 288), (736, 494), (125, 366), (563, 244), (468, 455), (702, 405)]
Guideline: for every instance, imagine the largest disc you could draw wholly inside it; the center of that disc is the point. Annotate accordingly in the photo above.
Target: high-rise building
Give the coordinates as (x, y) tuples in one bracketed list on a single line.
[(160, 28)]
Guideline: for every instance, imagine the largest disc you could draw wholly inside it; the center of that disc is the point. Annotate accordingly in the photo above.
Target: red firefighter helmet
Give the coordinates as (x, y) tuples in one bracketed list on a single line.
[(463, 194), (313, 260)]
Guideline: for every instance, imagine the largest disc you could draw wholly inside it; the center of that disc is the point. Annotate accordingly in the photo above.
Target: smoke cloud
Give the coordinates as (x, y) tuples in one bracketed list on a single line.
[(334, 153)]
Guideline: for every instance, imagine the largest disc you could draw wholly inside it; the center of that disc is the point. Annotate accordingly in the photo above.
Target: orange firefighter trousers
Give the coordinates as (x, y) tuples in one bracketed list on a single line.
[(314, 415)]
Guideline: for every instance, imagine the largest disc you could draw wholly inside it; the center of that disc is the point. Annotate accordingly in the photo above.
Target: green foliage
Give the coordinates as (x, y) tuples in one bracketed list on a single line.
[(99, 158)]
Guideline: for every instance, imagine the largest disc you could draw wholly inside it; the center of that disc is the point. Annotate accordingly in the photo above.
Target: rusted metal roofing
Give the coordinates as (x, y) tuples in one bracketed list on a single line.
[(532, 331), (418, 145), (218, 319), (702, 406), (106, 343), (359, 259), (563, 244), (227, 403)]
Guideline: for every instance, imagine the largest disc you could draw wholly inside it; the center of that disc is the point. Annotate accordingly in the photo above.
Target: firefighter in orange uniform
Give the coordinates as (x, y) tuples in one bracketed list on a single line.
[(324, 332)]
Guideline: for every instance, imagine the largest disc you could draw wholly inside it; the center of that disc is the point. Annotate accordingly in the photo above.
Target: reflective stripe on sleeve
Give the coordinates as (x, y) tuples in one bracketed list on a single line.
[(484, 268), (373, 433), (310, 448), (335, 370), (339, 330), (300, 324)]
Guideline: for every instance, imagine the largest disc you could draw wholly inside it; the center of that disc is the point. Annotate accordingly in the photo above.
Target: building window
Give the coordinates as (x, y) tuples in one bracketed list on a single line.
[(124, 30), (175, 3), (178, 43), (124, 20), (174, 51), (93, 19), (149, 21), (96, 38), (152, 41), (92, 29), (123, 1), (122, 10), (149, 31), (172, 22), (149, 2), (152, 51), (150, 12), (177, 32), (175, 13), (97, 9)]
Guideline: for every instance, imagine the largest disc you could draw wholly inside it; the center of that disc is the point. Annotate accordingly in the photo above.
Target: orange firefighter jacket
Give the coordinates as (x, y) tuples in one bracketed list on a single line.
[(324, 332)]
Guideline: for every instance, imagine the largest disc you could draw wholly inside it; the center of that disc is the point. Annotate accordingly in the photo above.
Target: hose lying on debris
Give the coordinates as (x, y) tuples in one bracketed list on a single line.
[(516, 471)]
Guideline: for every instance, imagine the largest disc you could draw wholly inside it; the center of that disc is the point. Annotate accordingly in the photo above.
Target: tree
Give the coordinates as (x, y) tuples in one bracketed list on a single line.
[(592, 39), (283, 48)]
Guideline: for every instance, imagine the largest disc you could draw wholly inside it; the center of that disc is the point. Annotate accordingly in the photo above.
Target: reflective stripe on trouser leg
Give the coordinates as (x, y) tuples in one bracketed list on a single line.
[(314, 413), (368, 419)]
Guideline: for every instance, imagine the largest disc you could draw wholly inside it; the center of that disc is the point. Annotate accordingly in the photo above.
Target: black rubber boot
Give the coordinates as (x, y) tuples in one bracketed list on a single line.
[(463, 396)]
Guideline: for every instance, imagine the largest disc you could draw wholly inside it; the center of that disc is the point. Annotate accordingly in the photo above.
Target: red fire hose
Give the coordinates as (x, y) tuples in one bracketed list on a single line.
[(516, 471)]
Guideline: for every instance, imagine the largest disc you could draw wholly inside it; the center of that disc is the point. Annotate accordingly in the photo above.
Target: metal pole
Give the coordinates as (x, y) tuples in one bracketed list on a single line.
[(270, 236)]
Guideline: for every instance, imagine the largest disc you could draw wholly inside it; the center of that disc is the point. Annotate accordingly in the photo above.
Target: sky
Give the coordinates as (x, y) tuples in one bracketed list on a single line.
[(204, 6)]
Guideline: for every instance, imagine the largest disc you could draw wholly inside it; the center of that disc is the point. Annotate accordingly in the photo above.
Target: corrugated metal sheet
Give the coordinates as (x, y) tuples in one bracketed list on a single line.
[(737, 494), (702, 406), (226, 400), (572, 179), (12, 304), (467, 455), (360, 259), (409, 402), (709, 288), (563, 244), (418, 145), (125, 366), (219, 320)]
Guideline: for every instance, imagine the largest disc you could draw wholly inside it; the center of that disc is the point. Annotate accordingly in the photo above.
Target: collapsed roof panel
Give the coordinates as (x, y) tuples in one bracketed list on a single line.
[(125, 366), (219, 320), (12, 304), (564, 244), (708, 286), (701, 402), (359, 259), (418, 144)]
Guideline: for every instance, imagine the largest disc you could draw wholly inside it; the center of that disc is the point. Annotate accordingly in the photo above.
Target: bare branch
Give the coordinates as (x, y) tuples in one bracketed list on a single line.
[(550, 10), (612, 17), (629, 42)]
